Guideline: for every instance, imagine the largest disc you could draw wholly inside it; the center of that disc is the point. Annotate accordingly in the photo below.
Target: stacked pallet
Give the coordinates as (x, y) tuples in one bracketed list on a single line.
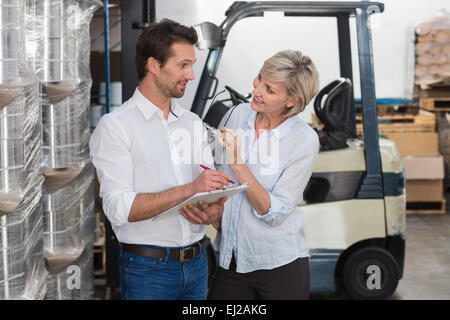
[(22, 268), (413, 130), (440, 106), (69, 237), (60, 58), (433, 51), (433, 78)]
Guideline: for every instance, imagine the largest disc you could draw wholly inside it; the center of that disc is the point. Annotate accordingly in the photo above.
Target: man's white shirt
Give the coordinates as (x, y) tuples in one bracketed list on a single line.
[(135, 150)]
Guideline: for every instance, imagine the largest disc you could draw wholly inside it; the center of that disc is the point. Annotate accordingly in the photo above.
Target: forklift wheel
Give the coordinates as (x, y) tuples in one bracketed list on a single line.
[(370, 273)]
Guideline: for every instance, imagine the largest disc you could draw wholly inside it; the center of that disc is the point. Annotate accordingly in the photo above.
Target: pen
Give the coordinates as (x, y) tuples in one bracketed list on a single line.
[(206, 168)]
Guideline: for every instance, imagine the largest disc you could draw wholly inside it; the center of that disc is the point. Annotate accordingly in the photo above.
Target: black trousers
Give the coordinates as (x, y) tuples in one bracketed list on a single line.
[(288, 282)]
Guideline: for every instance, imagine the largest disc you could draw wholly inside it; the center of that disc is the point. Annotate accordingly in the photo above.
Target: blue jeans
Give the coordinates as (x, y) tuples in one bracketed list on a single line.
[(143, 278)]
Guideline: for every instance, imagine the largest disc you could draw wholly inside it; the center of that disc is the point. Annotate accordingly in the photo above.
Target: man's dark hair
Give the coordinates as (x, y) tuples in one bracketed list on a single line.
[(155, 41)]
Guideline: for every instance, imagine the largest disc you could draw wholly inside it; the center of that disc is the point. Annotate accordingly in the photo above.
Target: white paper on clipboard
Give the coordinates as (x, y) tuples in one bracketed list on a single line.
[(208, 197)]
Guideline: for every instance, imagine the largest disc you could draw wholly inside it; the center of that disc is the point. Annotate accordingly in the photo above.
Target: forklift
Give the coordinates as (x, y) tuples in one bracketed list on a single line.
[(355, 202)]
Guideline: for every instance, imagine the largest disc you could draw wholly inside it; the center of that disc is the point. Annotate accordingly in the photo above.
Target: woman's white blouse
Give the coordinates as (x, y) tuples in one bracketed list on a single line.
[(282, 160)]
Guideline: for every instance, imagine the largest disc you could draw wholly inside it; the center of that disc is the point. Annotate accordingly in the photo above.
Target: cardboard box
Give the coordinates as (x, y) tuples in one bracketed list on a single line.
[(424, 167), (424, 190), (415, 143), (424, 178)]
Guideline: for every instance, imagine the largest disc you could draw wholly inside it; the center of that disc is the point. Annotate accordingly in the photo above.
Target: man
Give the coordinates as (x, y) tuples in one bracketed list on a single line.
[(144, 170)]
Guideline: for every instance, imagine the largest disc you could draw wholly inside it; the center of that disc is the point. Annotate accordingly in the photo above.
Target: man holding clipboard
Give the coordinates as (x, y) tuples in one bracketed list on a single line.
[(144, 170)]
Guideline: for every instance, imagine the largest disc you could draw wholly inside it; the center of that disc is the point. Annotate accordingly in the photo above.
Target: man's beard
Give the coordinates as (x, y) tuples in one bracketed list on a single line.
[(168, 90), (175, 93)]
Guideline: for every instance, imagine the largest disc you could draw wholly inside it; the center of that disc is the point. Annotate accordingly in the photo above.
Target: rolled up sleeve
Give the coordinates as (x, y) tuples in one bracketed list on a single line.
[(111, 156), (288, 190)]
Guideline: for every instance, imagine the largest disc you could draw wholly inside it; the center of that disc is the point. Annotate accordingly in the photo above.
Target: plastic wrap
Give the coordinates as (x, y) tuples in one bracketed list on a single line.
[(52, 45), (58, 48), (20, 119), (20, 139), (63, 248), (63, 286), (69, 224), (58, 43), (69, 221), (17, 226), (56, 179), (433, 50), (22, 269), (61, 198), (66, 129), (14, 72)]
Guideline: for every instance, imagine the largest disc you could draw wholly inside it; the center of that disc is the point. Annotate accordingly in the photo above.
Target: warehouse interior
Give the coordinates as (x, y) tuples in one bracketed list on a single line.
[(66, 63)]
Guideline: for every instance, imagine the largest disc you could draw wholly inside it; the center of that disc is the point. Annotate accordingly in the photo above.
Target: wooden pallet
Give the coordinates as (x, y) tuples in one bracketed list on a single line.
[(393, 109), (424, 121), (432, 92), (426, 207), (435, 104)]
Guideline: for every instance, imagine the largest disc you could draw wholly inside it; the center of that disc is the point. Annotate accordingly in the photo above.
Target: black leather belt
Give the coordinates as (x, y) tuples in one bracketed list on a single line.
[(181, 255)]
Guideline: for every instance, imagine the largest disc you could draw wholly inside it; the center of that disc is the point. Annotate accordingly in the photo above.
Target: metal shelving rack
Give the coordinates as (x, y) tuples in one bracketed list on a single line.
[(135, 16), (106, 37)]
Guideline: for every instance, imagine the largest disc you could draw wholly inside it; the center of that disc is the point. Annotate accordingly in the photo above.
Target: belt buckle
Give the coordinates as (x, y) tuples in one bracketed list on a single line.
[(183, 254)]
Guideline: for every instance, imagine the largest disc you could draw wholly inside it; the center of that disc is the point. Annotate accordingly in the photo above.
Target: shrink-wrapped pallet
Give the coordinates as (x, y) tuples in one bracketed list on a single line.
[(20, 119), (433, 50), (22, 270), (58, 48)]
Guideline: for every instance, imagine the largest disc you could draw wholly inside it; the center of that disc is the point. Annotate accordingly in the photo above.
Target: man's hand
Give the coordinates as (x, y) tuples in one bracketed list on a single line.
[(210, 180), (204, 214), (217, 225)]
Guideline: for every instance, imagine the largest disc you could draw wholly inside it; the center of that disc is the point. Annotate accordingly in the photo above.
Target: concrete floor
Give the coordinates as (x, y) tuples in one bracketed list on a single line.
[(427, 262), (427, 267)]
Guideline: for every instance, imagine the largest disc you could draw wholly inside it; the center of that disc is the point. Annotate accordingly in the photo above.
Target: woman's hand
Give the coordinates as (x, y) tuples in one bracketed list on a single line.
[(204, 213), (232, 144)]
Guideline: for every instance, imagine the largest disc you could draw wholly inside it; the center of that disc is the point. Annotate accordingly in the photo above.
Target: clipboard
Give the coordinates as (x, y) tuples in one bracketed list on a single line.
[(208, 197)]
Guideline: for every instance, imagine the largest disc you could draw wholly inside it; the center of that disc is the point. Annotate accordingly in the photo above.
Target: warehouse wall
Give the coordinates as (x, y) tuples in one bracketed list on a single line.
[(252, 40)]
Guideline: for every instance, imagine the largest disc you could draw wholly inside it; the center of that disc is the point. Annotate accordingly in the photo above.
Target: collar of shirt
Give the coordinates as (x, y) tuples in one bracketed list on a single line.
[(279, 131), (148, 109)]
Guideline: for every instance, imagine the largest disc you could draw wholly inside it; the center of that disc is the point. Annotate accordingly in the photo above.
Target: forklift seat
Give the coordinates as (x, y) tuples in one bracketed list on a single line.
[(215, 114), (332, 107)]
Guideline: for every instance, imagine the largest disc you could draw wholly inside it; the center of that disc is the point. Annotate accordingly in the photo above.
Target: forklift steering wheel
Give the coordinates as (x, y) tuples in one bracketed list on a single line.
[(236, 97)]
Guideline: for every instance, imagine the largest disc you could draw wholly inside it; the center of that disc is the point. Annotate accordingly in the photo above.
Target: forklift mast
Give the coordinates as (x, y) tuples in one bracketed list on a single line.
[(214, 37)]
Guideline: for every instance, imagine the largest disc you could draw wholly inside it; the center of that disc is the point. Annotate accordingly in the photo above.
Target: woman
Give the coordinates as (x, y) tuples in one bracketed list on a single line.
[(263, 249)]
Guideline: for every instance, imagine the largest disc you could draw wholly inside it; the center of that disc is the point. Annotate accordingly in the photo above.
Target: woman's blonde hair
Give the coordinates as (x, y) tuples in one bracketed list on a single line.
[(298, 73)]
